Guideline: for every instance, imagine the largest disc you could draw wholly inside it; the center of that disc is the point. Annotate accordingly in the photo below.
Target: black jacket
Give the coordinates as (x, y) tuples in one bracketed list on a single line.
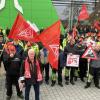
[(62, 61), (13, 65), (68, 49), (33, 72)]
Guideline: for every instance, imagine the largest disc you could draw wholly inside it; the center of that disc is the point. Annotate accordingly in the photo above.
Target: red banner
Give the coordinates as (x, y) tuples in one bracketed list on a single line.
[(50, 38), (22, 30), (74, 34), (83, 15)]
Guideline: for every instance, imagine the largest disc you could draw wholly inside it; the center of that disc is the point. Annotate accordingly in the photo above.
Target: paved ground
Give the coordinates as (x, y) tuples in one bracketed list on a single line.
[(68, 92)]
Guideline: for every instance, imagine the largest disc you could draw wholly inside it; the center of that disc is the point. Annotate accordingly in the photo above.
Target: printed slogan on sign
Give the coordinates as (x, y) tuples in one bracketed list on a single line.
[(72, 60)]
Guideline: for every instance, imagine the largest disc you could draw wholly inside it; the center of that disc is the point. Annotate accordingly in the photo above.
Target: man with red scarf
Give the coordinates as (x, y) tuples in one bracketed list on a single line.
[(30, 74)]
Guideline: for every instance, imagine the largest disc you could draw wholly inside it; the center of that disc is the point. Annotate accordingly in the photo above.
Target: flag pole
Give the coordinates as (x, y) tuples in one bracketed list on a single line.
[(69, 73), (88, 68)]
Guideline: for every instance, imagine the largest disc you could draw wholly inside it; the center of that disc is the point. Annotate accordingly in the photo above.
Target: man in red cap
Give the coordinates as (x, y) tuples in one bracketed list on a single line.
[(13, 62)]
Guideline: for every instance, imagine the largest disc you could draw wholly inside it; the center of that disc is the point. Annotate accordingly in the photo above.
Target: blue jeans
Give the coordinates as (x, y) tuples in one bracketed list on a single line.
[(36, 90)]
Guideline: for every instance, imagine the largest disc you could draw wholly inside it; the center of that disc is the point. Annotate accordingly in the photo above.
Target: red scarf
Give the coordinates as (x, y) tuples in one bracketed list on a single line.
[(27, 70)]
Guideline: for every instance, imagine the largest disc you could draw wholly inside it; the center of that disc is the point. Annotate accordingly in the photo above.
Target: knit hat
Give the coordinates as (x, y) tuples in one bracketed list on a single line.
[(11, 48)]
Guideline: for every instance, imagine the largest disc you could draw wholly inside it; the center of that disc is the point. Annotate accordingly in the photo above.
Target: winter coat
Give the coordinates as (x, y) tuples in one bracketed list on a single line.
[(68, 49), (96, 63), (61, 59), (31, 72), (13, 65)]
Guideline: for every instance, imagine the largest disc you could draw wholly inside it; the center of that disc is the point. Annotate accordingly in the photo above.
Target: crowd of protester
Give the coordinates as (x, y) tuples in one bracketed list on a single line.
[(26, 63)]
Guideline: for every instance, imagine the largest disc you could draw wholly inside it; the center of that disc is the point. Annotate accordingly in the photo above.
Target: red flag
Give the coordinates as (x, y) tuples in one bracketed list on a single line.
[(22, 30), (83, 15), (50, 38), (97, 25), (74, 34)]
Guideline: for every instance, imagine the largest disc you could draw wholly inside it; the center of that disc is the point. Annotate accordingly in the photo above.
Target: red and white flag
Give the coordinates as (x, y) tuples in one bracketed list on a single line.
[(22, 30), (83, 15), (50, 38)]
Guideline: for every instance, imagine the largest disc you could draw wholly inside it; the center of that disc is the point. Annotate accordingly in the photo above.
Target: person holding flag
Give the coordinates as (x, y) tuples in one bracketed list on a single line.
[(94, 69), (50, 38), (44, 63), (95, 66)]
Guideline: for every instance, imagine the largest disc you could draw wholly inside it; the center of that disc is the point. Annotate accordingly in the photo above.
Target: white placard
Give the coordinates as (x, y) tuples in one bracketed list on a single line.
[(72, 60)]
